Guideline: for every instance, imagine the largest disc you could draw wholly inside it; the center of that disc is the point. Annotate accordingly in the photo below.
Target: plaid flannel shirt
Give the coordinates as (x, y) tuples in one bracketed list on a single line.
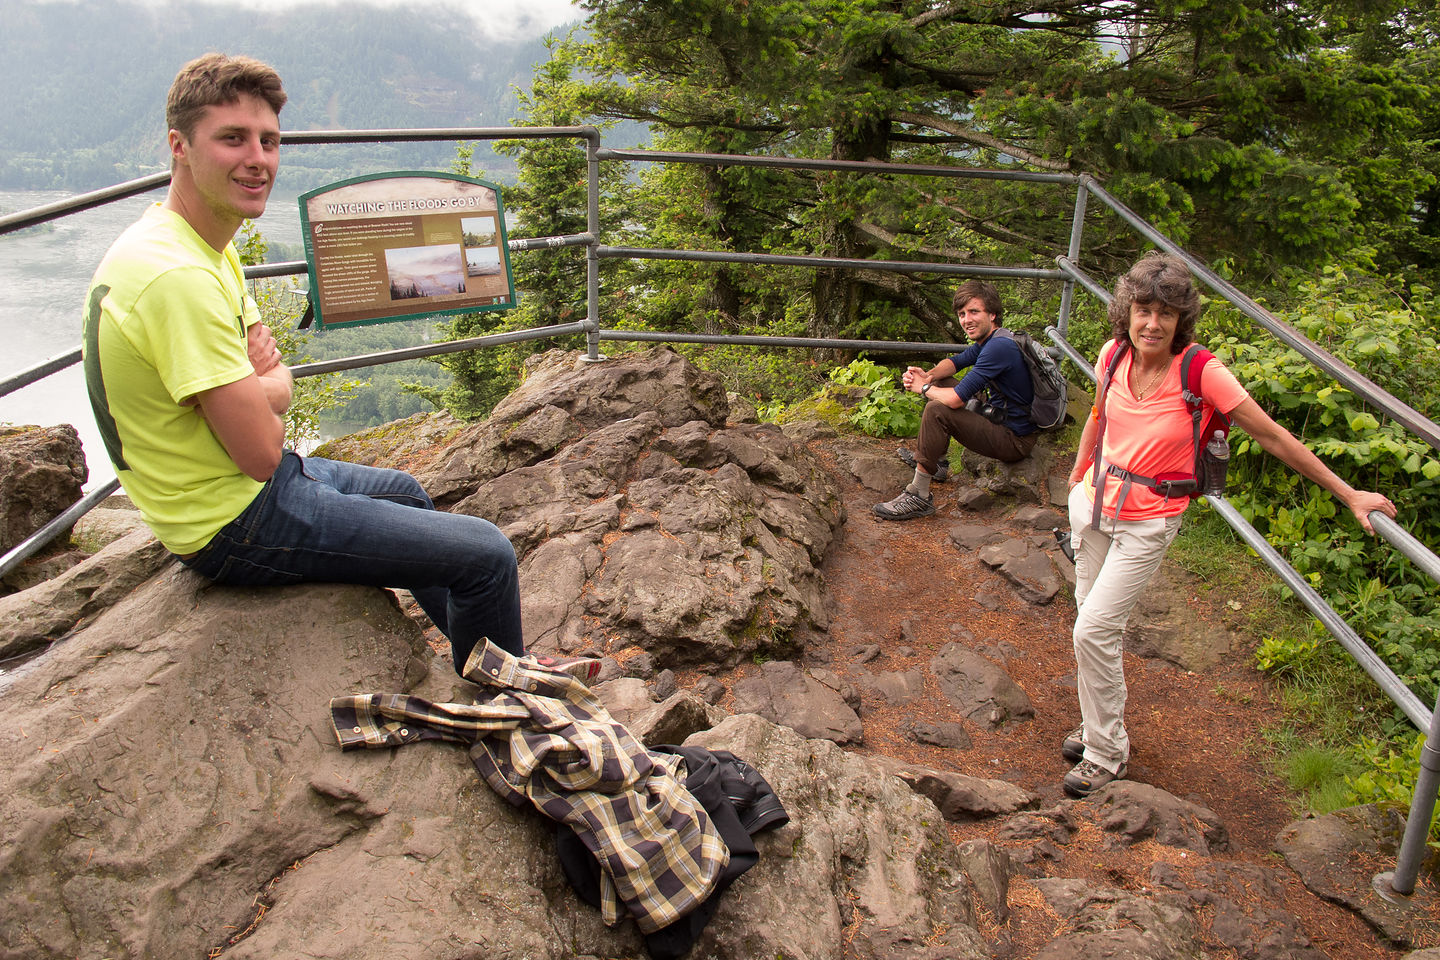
[(544, 739)]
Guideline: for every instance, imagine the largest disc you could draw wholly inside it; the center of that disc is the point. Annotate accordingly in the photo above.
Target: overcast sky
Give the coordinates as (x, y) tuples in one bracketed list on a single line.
[(502, 19)]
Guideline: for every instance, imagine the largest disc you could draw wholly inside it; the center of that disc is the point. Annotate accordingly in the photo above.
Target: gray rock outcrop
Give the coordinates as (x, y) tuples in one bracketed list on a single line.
[(42, 470), (1027, 567), (784, 693), (1108, 924), (170, 761), (723, 526), (172, 787), (48, 610), (963, 798), (980, 689), (1133, 812), (1336, 856)]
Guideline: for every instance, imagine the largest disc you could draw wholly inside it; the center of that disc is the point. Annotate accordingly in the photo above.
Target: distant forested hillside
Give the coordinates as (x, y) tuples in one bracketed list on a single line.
[(87, 83)]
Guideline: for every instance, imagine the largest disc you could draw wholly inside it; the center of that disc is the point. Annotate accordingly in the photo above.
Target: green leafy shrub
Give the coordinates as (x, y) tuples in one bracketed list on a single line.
[(887, 409), (1392, 336), (1389, 778), (1395, 341)]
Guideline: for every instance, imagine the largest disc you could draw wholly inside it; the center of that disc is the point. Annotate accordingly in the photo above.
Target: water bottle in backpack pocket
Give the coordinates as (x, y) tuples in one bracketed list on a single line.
[(1214, 464)]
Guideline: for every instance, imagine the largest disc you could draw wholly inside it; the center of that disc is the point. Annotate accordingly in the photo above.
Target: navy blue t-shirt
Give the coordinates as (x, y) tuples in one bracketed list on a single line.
[(996, 362)]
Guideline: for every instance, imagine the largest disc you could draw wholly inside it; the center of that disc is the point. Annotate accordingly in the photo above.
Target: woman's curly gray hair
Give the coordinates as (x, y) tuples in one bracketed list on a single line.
[(1158, 278)]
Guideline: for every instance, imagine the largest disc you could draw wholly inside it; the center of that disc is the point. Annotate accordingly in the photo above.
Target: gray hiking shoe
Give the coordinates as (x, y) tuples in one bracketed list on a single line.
[(907, 506), (942, 472), (1086, 777), (1072, 748)]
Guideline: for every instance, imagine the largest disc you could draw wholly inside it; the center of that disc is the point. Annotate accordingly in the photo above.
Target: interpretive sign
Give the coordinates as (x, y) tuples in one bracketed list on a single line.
[(390, 246)]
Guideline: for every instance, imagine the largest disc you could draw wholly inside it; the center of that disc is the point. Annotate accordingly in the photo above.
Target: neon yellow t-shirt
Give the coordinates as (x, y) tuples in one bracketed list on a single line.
[(165, 320)]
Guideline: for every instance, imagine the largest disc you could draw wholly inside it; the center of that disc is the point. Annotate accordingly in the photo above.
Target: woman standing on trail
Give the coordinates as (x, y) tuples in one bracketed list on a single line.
[(1144, 430)]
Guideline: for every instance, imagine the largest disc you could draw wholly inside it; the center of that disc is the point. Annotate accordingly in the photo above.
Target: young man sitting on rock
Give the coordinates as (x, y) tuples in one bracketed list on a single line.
[(999, 427), (189, 392)]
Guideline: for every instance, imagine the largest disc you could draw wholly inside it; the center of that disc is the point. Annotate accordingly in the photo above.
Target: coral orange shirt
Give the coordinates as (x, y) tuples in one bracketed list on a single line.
[(1155, 435)]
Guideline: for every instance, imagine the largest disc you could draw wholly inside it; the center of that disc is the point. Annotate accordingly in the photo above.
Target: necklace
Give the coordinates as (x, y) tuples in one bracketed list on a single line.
[(1140, 394)]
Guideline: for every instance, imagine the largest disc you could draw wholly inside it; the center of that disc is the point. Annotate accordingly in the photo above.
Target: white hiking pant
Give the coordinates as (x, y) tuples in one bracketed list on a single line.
[(1112, 567)]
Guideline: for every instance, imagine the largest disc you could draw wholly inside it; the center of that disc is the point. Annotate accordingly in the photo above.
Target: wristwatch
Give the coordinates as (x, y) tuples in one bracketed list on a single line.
[(925, 390)]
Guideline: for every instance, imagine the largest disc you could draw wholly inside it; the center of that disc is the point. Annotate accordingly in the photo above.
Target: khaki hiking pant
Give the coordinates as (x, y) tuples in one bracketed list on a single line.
[(1112, 567)]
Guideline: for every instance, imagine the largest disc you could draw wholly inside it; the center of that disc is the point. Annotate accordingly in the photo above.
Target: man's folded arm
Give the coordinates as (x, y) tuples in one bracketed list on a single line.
[(242, 416), (275, 378), (279, 388)]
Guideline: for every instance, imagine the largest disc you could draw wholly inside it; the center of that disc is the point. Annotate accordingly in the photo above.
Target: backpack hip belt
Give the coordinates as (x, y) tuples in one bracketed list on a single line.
[(1170, 485)]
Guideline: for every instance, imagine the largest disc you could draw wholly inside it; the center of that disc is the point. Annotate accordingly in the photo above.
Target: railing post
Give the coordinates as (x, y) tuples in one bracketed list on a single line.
[(592, 249), (1077, 227), (1401, 882)]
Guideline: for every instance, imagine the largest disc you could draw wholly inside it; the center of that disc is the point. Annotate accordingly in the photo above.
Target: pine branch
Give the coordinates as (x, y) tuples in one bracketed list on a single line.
[(978, 139)]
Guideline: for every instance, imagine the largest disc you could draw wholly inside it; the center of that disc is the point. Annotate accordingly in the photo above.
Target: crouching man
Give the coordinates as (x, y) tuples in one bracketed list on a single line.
[(999, 426)]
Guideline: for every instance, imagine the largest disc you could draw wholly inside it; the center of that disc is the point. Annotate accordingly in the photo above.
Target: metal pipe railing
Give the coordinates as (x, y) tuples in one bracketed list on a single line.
[(85, 201), (845, 166), (812, 343), (1412, 549), (1068, 268), (1075, 356), (31, 544), (434, 349), (1354, 381), (39, 371), (592, 256), (1395, 688), (787, 260), (1072, 253), (1413, 847), (423, 134), (618, 336)]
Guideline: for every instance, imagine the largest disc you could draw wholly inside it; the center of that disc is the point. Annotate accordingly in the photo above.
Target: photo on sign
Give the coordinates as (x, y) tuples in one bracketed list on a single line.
[(478, 231), (482, 261), (427, 271)]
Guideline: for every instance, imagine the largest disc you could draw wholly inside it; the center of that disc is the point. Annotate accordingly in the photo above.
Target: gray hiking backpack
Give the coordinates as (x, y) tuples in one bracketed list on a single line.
[(1047, 409)]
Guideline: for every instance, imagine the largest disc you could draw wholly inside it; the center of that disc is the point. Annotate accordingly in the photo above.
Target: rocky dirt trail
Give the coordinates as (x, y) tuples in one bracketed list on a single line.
[(907, 589)]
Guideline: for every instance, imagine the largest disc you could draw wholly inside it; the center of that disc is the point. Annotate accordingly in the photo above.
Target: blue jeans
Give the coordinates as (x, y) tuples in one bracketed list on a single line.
[(326, 521)]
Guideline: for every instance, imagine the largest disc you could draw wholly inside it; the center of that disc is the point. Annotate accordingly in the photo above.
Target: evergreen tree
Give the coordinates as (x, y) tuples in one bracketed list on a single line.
[(1262, 136), (549, 199)]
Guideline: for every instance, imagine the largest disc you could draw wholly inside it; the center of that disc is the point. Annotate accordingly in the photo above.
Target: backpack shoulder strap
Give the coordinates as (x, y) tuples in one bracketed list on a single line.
[(1117, 353), (1192, 365)]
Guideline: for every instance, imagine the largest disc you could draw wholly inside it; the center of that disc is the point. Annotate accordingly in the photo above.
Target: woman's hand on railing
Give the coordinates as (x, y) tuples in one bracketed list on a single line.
[(1364, 502)]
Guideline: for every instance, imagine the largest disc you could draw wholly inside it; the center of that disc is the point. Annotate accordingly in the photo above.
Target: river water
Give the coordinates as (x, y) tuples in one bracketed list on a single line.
[(44, 275)]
